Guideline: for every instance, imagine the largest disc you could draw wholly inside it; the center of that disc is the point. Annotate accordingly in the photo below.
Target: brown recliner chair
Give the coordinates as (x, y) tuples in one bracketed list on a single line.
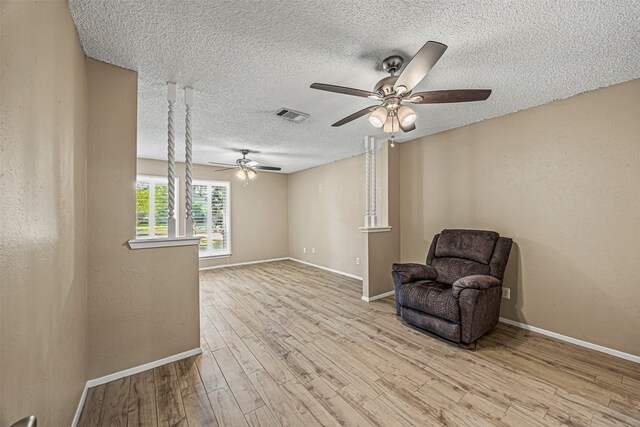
[(457, 294)]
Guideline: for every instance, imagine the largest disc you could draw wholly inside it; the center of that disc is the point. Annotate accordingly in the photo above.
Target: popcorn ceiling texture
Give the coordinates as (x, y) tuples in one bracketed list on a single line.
[(246, 59)]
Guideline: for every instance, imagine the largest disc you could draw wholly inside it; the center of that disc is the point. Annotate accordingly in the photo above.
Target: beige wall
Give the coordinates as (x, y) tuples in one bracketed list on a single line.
[(143, 305), (43, 284), (259, 214), (562, 180), (326, 207)]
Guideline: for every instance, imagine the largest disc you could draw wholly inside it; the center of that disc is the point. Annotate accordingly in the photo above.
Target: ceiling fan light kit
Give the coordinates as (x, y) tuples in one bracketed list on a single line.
[(247, 168), (246, 174), (391, 125), (393, 90)]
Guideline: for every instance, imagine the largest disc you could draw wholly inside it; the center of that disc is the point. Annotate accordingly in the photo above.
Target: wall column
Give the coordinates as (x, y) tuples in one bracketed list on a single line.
[(188, 163), (374, 179), (381, 235), (171, 155), (370, 182), (367, 182)]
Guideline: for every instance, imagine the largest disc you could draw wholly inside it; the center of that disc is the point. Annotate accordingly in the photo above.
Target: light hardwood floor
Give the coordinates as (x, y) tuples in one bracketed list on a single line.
[(287, 344)]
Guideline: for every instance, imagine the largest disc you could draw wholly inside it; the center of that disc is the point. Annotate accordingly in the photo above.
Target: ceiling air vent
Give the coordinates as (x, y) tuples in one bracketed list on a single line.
[(291, 115)]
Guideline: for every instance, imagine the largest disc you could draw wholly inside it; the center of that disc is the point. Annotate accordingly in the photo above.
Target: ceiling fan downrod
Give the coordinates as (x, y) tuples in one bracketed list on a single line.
[(392, 64)]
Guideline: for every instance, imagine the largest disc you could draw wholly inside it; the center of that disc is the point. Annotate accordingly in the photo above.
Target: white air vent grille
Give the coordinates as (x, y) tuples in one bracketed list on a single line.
[(291, 115)]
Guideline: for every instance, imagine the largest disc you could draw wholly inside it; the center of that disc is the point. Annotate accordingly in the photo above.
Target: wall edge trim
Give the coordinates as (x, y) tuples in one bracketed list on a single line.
[(377, 297), (342, 273), (83, 397), (571, 340)]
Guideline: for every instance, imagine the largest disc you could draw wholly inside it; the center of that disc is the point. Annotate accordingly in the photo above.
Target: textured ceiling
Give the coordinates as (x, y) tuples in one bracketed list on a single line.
[(245, 59)]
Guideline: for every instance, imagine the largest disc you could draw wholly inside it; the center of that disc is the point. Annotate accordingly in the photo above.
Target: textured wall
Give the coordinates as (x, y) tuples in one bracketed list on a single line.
[(326, 207), (562, 180), (43, 288), (143, 305), (259, 214)]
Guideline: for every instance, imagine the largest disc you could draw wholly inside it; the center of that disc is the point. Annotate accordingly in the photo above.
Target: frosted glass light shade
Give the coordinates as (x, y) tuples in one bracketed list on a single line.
[(378, 117), (406, 116)]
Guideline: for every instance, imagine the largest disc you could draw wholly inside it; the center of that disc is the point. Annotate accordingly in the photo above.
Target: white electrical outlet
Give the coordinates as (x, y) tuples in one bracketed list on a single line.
[(506, 293), (357, 261), (313, 250), (304, 250)]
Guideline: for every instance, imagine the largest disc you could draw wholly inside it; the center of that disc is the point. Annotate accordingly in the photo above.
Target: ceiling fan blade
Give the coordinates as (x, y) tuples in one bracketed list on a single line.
[(225, 169), (420, 65), (354, 116), (346, 90), (267, 168), (446, 96), (252, 163), (409, 128), (222, 164)]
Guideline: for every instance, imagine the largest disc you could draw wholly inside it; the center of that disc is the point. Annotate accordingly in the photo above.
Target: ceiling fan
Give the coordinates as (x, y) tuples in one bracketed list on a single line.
[(391, 115), (247, 168)]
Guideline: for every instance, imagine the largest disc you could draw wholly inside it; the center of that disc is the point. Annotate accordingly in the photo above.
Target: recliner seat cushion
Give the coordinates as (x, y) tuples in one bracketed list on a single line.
[(474, 245), (434, 298), (452, 269)]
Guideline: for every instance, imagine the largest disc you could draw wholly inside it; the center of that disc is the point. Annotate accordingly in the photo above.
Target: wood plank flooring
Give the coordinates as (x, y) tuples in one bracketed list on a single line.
[(290, 345)]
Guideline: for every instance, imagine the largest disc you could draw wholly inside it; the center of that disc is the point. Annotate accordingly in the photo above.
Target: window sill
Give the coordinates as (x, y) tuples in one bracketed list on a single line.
[(163, 242), (378, 229), (208, 256)]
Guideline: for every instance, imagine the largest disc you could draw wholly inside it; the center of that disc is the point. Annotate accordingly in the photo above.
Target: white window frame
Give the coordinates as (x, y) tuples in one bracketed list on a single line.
[(213, 183), (153, 180)]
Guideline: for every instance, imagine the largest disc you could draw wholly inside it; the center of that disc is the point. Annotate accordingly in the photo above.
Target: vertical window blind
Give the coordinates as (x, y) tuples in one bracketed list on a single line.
[(211, 218)]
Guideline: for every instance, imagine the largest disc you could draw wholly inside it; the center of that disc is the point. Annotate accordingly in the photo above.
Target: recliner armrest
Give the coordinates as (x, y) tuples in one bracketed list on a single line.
[(411, 272), (477, 281)]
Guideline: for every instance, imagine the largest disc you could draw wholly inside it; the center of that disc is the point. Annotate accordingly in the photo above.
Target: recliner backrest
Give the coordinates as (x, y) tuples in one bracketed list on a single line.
[(460, 253), (475, 245)]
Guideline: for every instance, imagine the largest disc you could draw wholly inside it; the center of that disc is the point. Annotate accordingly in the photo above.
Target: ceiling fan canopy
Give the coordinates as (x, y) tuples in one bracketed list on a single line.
[(247, 168), (391, 115)]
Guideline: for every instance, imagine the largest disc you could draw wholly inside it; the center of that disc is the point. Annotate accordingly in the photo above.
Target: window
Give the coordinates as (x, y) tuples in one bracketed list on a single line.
[(210, 210), (152, 206), (211, 218)]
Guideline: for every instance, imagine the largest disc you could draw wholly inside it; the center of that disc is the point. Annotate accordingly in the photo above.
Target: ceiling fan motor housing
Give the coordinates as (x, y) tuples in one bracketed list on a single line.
[(385, 86)]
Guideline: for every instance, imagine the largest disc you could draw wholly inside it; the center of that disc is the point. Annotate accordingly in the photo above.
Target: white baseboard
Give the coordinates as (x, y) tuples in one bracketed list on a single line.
[(377, 297), (586, 344), (83, 397), (131, 371), (142, 368), (342, 273), (213, 267)]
